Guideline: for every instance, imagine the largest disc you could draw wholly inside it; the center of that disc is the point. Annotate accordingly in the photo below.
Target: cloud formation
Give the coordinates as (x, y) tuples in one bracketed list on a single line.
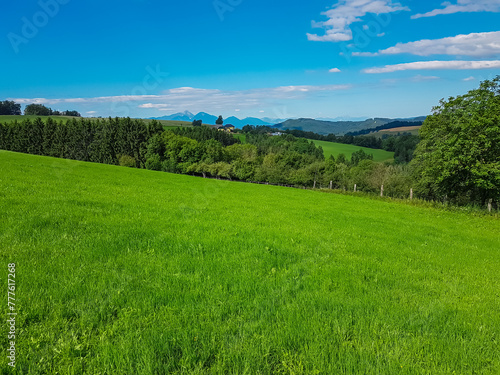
[(435, 65), (179, 99), (345, 13), (475, 44), (463, 6), (420, 78)]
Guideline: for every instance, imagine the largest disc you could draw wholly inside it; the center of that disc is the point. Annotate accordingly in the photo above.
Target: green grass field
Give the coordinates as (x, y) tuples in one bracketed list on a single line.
[(127, 271), (241, 137), (413, 130), (335, 149), (9, 119), (166, 123)]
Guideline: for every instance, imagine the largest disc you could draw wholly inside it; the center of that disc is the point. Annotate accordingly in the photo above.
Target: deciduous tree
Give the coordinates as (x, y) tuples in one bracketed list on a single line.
[(459, 152)]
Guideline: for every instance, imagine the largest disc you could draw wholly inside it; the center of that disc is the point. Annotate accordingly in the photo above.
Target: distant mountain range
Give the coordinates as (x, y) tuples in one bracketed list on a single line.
[(320, 126), (209, 119)]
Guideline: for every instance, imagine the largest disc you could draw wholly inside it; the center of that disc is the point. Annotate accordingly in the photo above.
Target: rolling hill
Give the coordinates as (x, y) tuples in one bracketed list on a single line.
[(127, 271), (336, 127), (10, 119)]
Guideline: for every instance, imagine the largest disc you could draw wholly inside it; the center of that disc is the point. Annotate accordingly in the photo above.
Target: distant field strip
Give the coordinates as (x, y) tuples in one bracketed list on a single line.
[(335, 149), (402, 129), (165, 123), (9, 119), (128, 271)]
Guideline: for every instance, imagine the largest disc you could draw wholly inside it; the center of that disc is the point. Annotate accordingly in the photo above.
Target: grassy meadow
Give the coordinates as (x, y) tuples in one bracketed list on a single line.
[(413, 130), (241, 137), (9, 119), (335, 149), (127, 271), (166, 123)]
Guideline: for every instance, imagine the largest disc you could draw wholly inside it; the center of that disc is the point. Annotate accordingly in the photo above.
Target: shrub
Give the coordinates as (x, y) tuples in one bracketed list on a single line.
[(126, 161), (153, 163)]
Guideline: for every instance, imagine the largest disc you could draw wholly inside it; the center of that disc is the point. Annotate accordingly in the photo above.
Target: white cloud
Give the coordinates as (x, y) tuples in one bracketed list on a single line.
[(469, 79), (463, 6), (436, 65), (347, 12), (420, 78), (100, 99), (475, 44), (91, 112), (334, 70), (182, 98), (364, 54), (159, 106)]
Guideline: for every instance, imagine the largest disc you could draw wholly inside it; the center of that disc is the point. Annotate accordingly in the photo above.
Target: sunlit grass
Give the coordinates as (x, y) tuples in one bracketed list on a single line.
[(335, 149), (10, 118), (126, 271)]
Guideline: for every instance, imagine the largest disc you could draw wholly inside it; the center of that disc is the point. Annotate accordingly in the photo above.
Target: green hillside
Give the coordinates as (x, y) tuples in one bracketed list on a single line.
[(9, 119), (128, 271), (165, 123), (413, 130), (335, 149), (328, 127)]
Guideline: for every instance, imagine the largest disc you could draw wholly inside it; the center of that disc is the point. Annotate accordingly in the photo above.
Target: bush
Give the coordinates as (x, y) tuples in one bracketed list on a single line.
[(126, 161), (154, 163)]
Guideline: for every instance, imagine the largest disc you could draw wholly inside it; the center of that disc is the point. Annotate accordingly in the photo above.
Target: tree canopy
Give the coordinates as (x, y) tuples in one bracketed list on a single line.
[(8, 107), (41, 110), (37, 110), (459, 153)]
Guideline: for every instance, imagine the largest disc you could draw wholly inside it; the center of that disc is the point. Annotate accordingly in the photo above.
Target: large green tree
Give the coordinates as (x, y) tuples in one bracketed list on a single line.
[(459, 153), (37, 110), (8, 107)]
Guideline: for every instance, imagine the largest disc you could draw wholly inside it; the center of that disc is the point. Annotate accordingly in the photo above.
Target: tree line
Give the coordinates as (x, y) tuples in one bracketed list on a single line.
[(41, 110), (110, 141), (284, 160), (9, 107)]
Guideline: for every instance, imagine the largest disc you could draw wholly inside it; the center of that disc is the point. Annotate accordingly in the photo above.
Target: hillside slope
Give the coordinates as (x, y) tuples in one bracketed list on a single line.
[(131, 271), (10, 119), (335, 149), (335, 127)]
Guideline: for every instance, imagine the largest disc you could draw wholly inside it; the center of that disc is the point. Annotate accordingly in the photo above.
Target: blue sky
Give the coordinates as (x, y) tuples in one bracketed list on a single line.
[(321, 59)]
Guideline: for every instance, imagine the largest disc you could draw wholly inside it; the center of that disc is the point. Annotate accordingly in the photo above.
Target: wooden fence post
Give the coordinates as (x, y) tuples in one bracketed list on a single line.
[(490, 205), (355, 187), (411, 194), (331, 185), (382, 191)]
